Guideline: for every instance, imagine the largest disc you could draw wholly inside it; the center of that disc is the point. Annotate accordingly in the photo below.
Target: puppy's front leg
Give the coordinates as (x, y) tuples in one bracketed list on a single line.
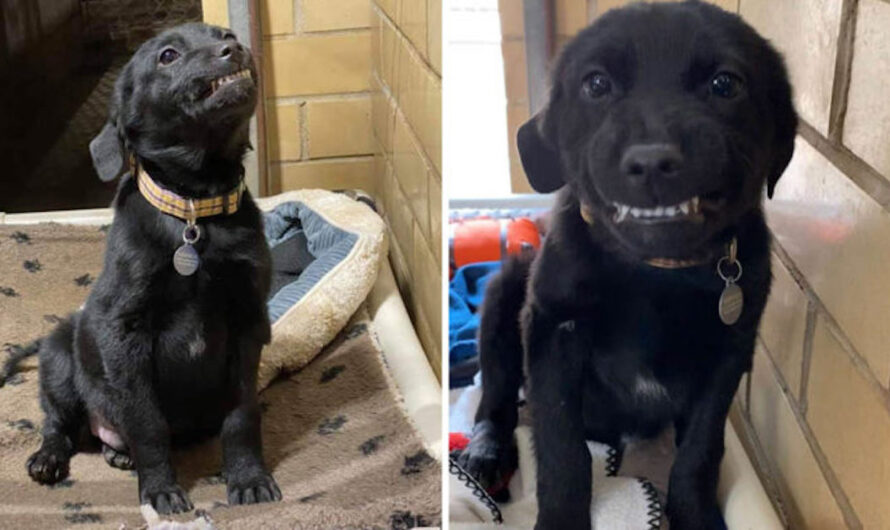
[(555, 373), (692, 491), (149, 437), (247, 480), (145, 429)]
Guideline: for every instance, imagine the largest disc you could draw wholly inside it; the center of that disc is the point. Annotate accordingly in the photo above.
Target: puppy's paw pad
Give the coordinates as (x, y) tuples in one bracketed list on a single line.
[(169, 499), (47, 467), (253, 489), (116, 458)]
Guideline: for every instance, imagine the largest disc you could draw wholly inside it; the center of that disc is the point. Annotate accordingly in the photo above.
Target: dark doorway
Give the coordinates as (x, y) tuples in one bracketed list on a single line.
[(58, 63)]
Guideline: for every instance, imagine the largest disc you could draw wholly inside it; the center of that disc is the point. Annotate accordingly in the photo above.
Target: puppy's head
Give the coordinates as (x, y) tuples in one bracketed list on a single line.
[(184, 98), (667, 120)]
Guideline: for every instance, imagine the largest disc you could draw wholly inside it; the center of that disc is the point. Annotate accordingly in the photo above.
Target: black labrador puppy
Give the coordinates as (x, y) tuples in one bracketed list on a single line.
[(166, 352), (641, 309)]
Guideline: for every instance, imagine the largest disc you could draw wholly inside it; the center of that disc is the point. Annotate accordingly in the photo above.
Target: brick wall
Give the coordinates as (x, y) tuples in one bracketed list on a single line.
[(330, 66), (318, 103), (407, 122), (815, 412), (817, 408)]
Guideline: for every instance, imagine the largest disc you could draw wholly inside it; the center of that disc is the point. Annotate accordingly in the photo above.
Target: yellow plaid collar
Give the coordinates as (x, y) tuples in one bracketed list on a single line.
[(188, 209)]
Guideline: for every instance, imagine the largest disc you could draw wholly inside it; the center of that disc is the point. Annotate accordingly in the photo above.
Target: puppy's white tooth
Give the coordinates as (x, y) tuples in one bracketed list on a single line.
[(684, 208), (620, 215), (635, 212), (659, 211), (670, 211), (696, 203)]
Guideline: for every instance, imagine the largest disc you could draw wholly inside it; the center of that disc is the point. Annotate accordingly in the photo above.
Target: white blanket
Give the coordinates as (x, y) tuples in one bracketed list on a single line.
[(620, 501)]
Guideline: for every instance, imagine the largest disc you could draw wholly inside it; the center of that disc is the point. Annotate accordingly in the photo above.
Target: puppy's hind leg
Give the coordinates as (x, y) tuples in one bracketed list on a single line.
[(62, 407), (491, 455)]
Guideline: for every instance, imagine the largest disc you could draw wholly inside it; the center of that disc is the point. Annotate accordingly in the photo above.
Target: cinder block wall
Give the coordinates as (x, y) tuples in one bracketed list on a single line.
[(329, 67), (406, 84), (815, 412), (817, 406), (318, 104)]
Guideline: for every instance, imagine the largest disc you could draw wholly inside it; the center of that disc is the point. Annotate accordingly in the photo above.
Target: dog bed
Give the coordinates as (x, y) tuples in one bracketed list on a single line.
[(336, 433), (326, 251)]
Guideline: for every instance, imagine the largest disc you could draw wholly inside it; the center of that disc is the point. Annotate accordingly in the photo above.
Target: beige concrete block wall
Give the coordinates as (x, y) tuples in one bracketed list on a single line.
[(318, 99), (317, 56), (406, 84), (353, 100), (819, 393), (815, 413)]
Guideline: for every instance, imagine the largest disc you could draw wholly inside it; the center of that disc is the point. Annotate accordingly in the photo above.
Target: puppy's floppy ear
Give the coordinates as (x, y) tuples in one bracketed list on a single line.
[(107, 148), (107, 151), (785, 123), (540, 159)]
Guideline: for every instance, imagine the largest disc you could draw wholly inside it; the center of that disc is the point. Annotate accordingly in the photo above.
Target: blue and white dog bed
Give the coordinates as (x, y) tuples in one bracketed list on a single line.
[(327, 249)]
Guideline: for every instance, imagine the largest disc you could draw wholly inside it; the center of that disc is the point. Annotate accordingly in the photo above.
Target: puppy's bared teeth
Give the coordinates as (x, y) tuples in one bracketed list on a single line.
[(695, 205), (621, 213)]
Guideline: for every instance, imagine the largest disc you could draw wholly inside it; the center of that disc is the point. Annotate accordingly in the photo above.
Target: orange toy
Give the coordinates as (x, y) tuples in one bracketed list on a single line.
[(478, 240)]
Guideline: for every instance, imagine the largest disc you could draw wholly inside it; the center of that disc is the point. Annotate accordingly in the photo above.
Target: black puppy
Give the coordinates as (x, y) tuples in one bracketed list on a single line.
[(164, 354), (664, 123)]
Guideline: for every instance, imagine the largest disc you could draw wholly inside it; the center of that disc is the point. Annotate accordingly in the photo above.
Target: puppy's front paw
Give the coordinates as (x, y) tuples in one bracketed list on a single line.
[(47, 466), (252, 488), (489, 458), (166, 499)]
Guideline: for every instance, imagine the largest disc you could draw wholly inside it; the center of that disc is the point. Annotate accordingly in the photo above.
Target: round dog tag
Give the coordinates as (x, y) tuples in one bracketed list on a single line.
[(732, 300), (186, 260)]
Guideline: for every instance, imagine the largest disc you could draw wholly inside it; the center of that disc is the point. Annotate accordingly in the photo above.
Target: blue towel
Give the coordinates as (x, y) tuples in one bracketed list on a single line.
[(464, 299)]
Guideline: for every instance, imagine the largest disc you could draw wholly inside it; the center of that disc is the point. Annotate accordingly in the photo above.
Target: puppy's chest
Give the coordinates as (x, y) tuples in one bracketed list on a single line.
[(649, 344)]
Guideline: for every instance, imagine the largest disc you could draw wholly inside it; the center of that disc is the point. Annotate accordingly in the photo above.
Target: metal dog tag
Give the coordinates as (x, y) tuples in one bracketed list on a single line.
[(732, 301), (186, 260)]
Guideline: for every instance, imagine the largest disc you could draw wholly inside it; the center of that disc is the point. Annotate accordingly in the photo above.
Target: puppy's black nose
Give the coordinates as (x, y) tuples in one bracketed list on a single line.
[(646, 161)]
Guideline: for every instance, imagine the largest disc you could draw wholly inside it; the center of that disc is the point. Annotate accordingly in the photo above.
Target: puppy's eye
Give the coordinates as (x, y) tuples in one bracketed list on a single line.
[(168, 56), (726, 85), (229, 36), (597, 85)]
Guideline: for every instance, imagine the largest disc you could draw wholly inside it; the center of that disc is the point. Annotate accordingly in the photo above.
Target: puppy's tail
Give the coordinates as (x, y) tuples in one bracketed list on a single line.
[(16, 355)]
